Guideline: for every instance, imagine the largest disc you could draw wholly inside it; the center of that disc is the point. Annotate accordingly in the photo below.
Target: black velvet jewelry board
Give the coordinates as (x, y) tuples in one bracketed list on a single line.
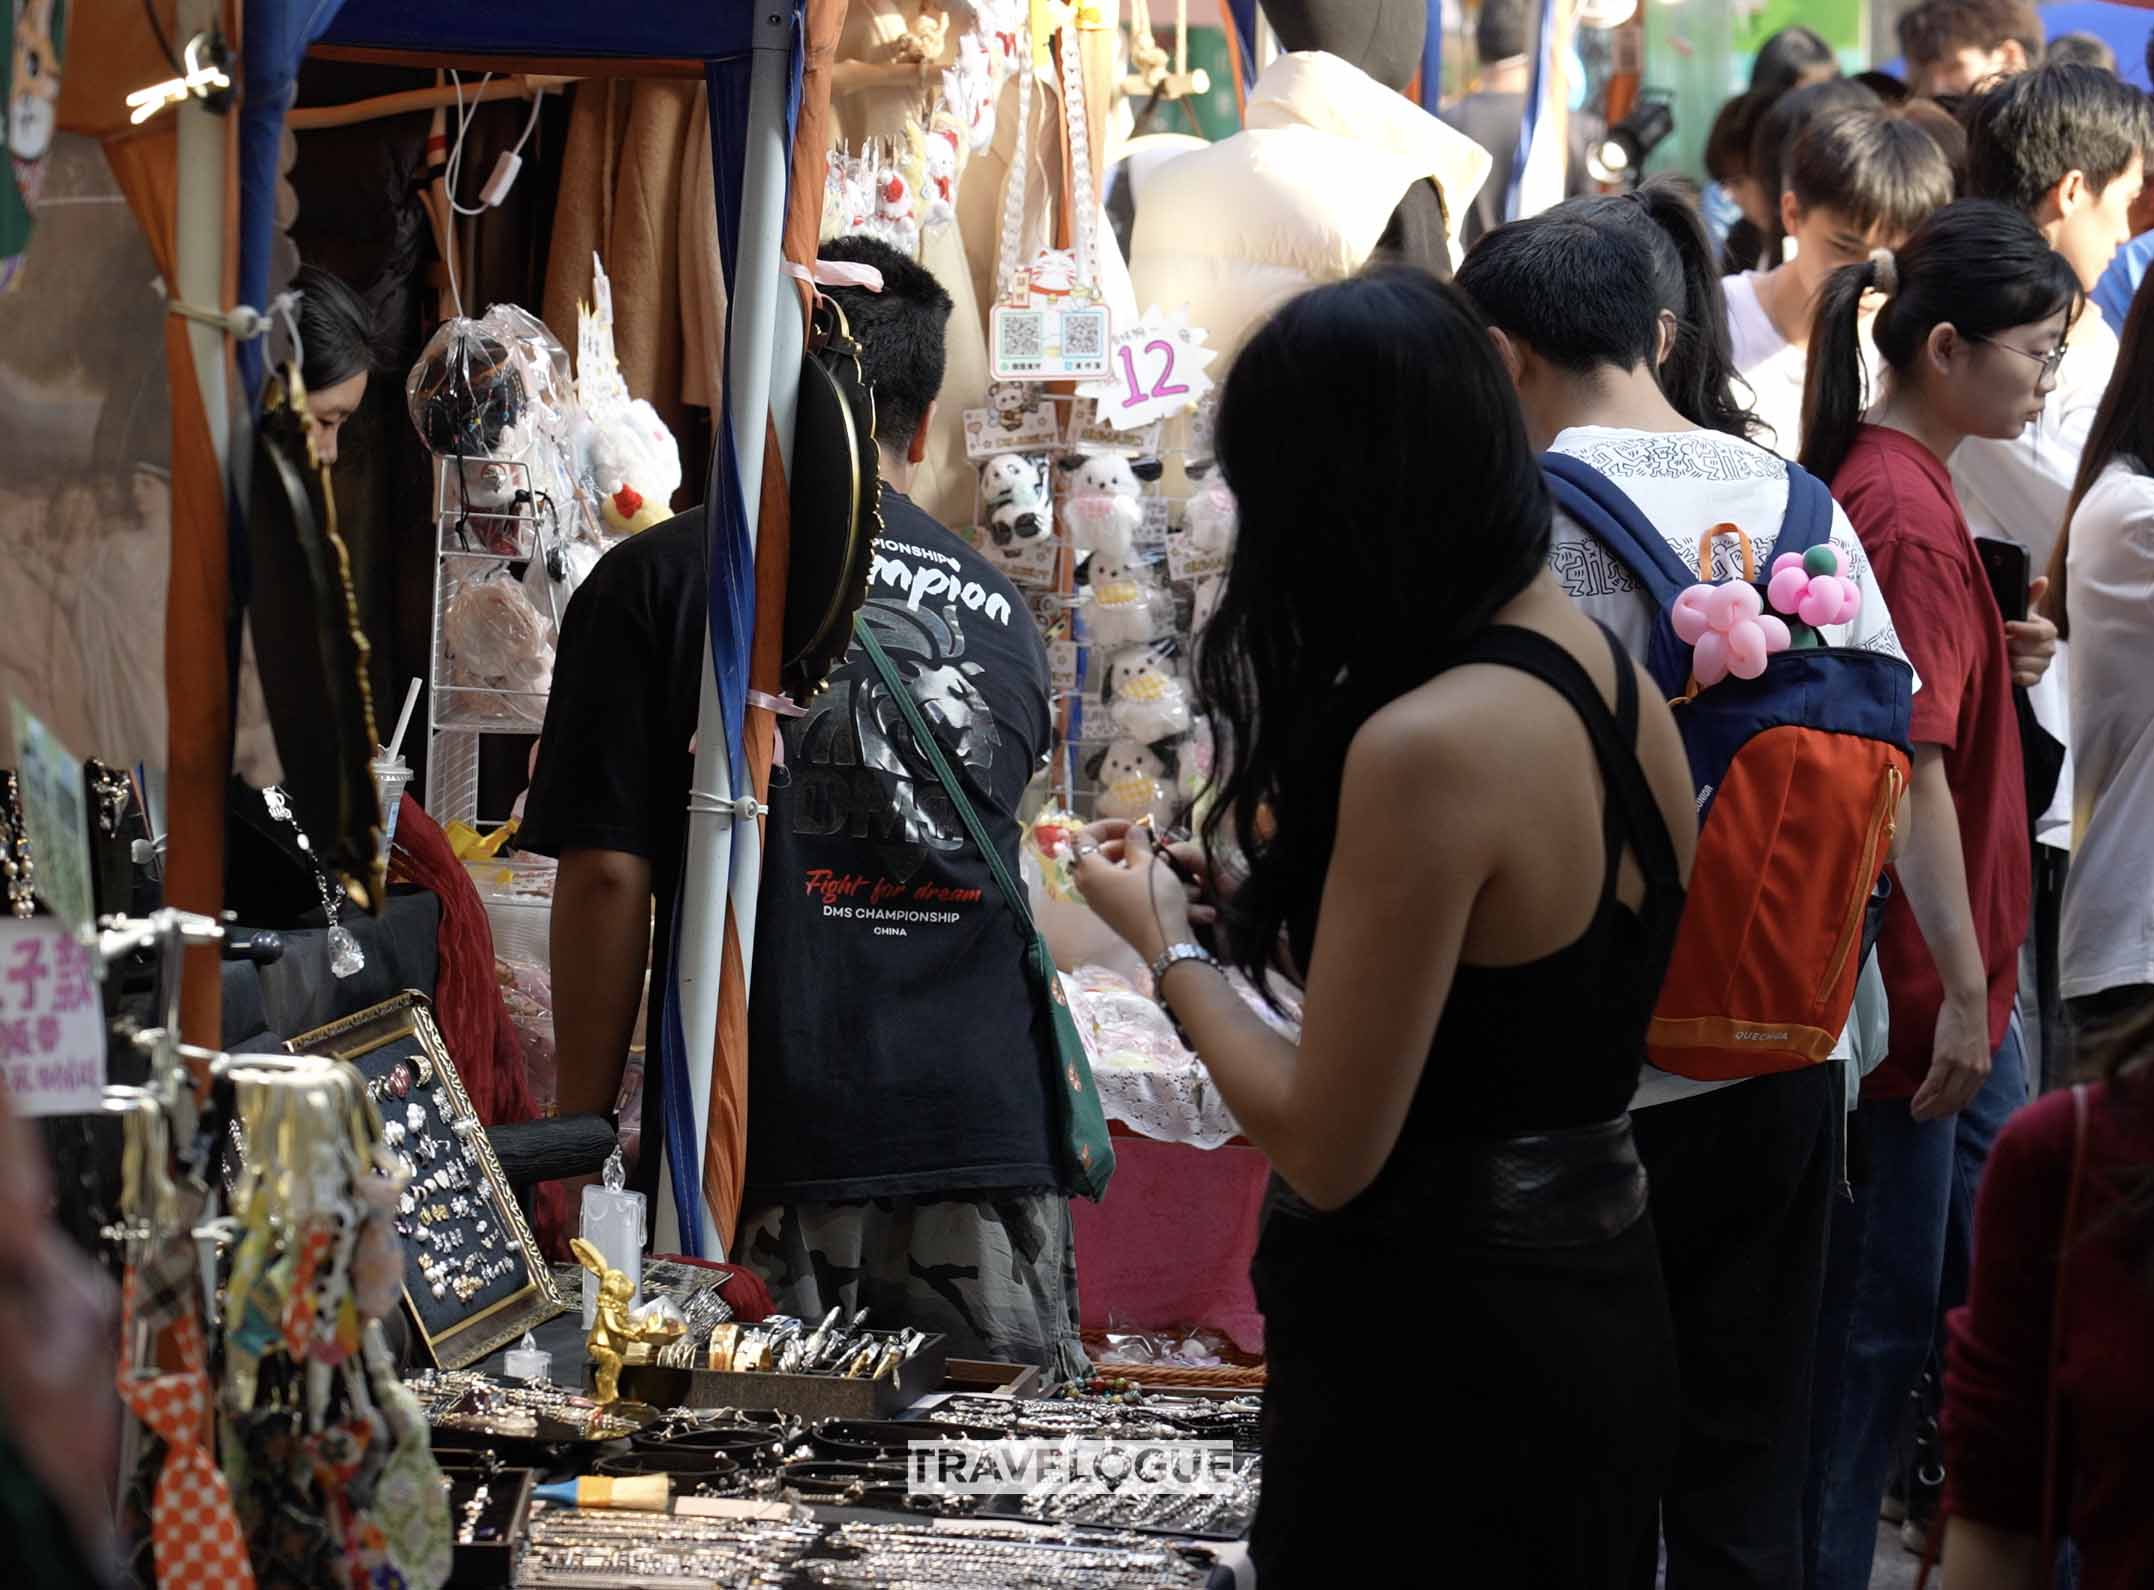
[(396, 1046)]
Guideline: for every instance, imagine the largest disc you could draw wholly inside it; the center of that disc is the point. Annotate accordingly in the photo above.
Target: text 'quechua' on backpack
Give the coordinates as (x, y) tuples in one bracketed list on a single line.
[(1798, 774)]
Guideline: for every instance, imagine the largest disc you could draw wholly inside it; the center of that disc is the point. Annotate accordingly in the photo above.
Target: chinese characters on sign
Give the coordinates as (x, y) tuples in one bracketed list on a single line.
[(52, 1024)]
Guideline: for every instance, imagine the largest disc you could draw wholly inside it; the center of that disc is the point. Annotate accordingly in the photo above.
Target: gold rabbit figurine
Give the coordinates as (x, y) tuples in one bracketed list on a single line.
[(613, 1333)]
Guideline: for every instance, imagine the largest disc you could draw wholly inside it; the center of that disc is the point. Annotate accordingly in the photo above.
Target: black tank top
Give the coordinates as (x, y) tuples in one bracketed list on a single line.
[(1559, 1041)]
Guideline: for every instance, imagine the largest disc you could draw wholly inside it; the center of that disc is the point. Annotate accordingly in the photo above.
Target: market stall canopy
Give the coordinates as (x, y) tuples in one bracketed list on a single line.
[(220, 170)]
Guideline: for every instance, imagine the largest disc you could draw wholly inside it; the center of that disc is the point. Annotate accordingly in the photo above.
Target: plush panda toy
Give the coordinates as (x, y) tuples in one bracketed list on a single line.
[(1103, 509), (1018, 507), (1143, 696), (1132, 781)]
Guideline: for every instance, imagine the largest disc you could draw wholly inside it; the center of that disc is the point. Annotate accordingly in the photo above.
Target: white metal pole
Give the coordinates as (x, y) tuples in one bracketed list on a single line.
[(200, 228), (715, 865)]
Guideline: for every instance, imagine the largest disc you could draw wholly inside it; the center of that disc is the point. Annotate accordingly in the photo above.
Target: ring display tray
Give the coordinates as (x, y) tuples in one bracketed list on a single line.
[(473, 1275), (809, 1396)]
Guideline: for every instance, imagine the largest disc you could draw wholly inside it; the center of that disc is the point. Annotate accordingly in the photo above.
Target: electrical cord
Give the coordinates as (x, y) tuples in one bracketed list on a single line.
[(164, 42)]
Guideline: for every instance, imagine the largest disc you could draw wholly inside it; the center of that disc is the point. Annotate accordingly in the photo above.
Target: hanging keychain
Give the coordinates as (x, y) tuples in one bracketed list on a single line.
[(1050, 324)]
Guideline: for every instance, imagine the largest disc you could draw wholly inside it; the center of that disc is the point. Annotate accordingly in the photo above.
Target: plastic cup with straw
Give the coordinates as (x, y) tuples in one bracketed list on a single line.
[(392, 773)]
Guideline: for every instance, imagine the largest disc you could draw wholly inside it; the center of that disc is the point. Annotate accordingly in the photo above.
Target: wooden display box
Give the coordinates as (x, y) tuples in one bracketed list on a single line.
[(808, 1396), (991, 1377), (488, 1564)]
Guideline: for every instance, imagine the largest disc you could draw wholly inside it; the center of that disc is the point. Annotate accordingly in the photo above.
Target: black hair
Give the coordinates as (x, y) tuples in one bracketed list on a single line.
[(1501, 31), (1792, 56), (1946, 132), (2150, 55), (900, 332), (2080, 49), (2027, 132), (1892, 90), (1938, 28), (2123, 428), (1335, 416), (1876, 167), (1976, 265), (1782, 123), (336, 330), (1727, 145), (1584, 285)]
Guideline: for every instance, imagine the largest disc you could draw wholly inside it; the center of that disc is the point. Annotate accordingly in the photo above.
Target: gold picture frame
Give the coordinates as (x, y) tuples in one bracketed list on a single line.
[(403, 1028)]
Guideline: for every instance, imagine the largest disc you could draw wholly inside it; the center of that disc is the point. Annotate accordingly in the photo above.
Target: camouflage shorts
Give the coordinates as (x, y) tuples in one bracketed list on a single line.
[(994, 1272)]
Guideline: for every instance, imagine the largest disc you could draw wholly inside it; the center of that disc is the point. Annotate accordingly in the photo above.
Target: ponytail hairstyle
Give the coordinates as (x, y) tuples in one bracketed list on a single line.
[(2123, 429), (1976, 265), (1585, 284), (1699, 373)]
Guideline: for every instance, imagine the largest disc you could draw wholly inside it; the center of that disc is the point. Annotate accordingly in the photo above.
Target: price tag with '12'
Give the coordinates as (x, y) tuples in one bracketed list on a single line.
[(1156, 369)]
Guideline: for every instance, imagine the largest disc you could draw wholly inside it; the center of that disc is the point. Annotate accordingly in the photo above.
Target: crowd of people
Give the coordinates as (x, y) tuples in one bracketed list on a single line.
[(1917, 303), (1697, 1320)]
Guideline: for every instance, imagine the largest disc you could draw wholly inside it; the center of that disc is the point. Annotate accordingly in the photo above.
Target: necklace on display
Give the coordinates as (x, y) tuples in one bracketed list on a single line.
[(346, 958), (15, 868)]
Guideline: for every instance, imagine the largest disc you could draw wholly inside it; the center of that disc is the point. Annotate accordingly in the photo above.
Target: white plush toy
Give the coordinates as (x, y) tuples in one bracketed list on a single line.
[(1126, 608), (1103, 509), (1210, 518), (938, 181), (1144, 697), (1018, 507), (1132, 783)]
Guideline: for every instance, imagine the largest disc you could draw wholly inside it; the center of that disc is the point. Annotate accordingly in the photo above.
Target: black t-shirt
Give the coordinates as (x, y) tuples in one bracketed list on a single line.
[(896, 1044)]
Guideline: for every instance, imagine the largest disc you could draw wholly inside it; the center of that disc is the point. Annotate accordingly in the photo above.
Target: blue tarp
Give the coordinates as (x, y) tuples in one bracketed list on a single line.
[(699, 30)]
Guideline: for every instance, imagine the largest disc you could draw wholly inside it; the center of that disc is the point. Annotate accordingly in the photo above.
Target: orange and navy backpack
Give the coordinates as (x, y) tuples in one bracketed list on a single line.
[(1798, 774)]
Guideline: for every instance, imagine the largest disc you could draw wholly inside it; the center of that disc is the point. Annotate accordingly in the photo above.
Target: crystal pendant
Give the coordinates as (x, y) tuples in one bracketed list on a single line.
[(346, 958)]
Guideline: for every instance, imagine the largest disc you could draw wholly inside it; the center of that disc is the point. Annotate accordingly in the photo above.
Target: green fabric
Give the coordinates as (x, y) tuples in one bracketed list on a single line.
[(1087, 1150), (42, 1552)]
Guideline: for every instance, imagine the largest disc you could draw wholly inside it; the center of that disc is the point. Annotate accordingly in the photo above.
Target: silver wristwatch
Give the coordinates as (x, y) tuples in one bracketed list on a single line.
[(1173, 955)]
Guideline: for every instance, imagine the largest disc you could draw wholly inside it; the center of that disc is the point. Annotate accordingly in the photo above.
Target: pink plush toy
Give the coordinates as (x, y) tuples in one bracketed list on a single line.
[(1727, 629), (1809, 586)]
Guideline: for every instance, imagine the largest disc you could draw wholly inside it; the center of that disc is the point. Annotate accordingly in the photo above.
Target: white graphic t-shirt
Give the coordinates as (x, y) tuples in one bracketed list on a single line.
[(1686, 482)]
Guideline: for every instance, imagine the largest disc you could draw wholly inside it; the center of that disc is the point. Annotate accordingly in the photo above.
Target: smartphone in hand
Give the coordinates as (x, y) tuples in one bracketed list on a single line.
[(2010, 573)]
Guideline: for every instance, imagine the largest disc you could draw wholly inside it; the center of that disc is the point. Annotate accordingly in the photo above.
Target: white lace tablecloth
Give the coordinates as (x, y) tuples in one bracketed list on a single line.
[(1147, 1080)]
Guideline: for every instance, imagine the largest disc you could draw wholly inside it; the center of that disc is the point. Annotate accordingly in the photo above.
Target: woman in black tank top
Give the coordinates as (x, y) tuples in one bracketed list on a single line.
[(1453, 806)]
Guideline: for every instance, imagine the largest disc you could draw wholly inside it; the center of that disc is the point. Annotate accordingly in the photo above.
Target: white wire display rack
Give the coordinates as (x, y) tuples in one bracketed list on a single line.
[(469, 542)]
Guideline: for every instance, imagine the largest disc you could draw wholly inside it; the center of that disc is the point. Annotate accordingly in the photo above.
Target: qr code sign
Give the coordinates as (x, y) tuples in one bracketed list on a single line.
[(1024, 335), (1048, 344), (1084, 336)]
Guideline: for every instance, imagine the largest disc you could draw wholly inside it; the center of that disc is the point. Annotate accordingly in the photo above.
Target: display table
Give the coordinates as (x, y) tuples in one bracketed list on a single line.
[(1171, 1242)]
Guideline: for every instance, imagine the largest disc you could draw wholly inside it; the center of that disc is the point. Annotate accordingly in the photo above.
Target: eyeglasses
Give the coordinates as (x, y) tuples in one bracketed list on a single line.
[(2048, 361)]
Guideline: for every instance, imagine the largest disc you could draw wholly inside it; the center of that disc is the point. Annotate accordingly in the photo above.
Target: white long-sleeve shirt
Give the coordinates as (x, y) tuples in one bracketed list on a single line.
[(2107, 937), (2018, 490)]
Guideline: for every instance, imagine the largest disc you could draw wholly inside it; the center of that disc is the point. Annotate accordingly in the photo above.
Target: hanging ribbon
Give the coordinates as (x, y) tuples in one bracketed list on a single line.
[(194, 1533), (1544, 41)]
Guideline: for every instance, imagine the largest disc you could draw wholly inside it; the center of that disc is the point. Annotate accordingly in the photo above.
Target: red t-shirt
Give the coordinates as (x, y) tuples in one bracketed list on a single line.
[(1899, 498), (1997, 1369)]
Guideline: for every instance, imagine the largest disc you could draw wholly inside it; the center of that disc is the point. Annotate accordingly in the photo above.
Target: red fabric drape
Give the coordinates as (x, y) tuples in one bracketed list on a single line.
[(467, 998)]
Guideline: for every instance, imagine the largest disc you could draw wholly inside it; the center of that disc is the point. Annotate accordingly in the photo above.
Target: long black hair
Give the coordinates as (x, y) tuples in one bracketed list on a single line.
[(2123, 428), (1585, 284), (1356, 576), (1976, 265), (336, 329)]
